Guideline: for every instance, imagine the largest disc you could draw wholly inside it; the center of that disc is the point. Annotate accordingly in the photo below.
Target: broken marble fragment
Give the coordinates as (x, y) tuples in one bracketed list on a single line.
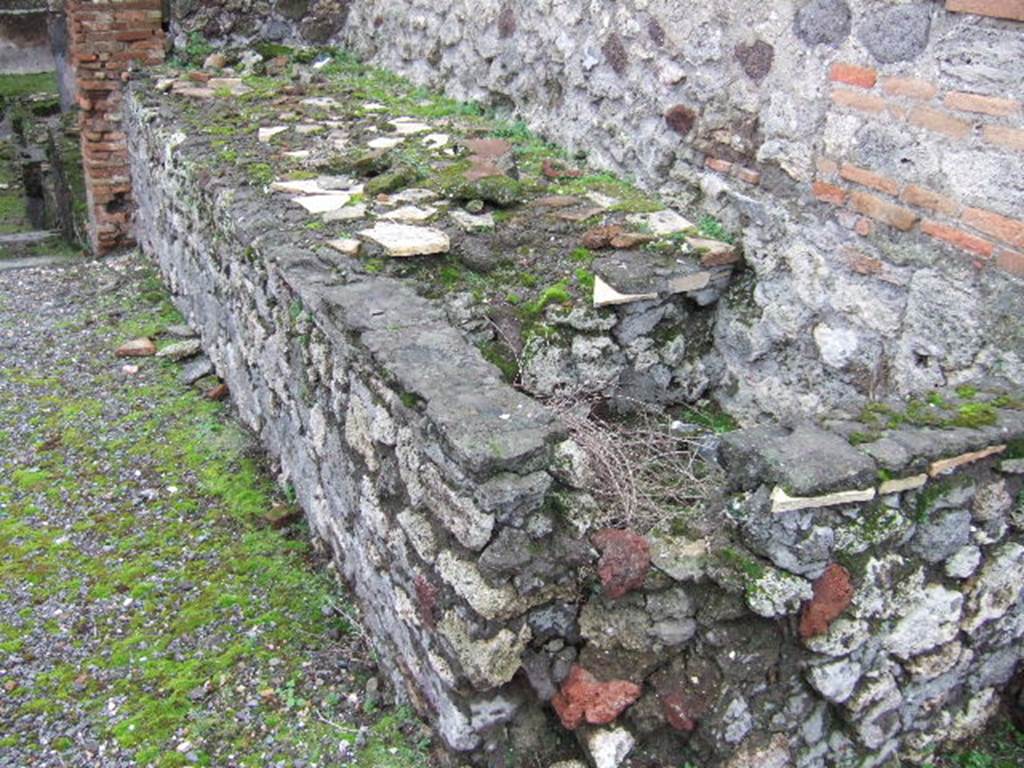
[(323, 203), (266, 134), (385, 142), (606, 296), (404, 240), (663, 222), (783, 502)]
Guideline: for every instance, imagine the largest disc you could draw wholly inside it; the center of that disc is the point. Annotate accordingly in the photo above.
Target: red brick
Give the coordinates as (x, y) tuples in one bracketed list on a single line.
[(865, 102), (909, 87), (1010, 261), (715, 164), (965, 241), (833, 593), (1010, 231), (829, 193), (862, 77), (985, 105), (940, 122), (747, 175), (1010, 138), (922, 197), (883, 211), (871, 179), (1000, 9)]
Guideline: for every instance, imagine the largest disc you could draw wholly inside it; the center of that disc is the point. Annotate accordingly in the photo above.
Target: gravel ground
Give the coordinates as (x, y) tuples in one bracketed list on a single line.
[(150, 614)]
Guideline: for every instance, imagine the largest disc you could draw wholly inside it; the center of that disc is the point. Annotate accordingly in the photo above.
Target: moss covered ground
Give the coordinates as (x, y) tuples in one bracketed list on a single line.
[(149, 613)]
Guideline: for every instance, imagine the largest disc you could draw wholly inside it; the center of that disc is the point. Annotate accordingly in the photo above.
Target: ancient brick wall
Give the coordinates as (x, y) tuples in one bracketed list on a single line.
[(108, 39)]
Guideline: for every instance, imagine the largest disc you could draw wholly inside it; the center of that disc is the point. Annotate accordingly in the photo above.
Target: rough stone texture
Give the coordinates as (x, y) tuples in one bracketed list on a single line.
[(899, 33), (434, 485), (625, 559)]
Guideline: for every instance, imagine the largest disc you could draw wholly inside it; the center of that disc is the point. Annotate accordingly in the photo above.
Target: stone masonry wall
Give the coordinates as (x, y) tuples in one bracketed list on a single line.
[(849, 596), (108, 39), (870, 153)]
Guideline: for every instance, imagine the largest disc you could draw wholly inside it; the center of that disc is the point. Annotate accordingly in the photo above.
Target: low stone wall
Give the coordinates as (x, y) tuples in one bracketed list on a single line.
[(869, 153), (854, 594)]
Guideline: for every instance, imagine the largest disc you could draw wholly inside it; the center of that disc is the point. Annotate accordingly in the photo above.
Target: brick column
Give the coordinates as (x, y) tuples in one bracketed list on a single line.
[(109, 38)]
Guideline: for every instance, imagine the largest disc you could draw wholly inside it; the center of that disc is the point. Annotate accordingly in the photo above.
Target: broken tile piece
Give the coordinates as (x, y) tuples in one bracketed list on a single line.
[(606, 296), (713, 253), (322, 203), (404, 240), (266, 134)]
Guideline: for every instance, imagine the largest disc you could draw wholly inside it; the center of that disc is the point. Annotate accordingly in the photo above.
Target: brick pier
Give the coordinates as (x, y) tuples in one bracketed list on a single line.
[(108, 39)]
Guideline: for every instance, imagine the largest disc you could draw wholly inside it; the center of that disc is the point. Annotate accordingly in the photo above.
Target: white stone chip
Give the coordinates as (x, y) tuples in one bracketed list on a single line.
[(609, 747), (404, 240), (372, 106), (783, 502), (901, 484), (345, 246), (606, 296), (385, 142), (322, 203), (307, 128), (297, 186), (663, 222), (298, 154), (410, 214), (471, 223), (266, 134), (436, 140)]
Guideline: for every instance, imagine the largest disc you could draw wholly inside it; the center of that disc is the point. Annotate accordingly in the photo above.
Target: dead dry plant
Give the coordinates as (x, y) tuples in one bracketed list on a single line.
[(644, 474)]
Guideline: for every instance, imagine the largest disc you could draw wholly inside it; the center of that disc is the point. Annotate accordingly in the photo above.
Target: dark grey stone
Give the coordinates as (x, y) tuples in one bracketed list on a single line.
[(554, 620), (941, 536), (805, 462), (823, 22), (196, 370), (509, 552), (756, 59), (897, 34), (512, 497)]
